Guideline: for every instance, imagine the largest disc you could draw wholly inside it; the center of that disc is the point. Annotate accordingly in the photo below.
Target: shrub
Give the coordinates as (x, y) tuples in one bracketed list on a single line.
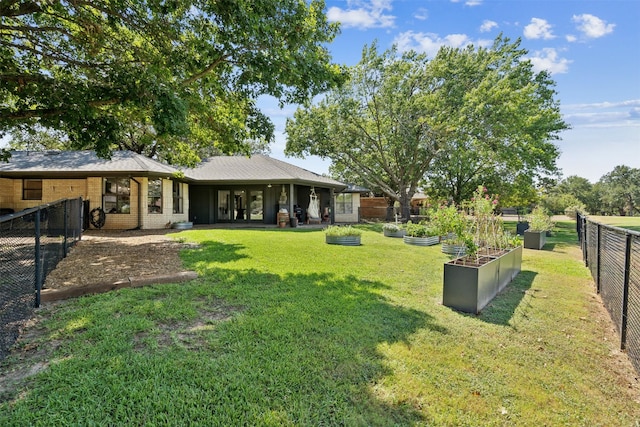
[(392, 227), (345, 230), (539, 220), (420, 230)]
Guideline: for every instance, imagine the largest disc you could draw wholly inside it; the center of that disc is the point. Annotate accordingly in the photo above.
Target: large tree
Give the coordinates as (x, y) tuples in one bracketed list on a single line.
[(399, 116), (620, 190), (177, 74)]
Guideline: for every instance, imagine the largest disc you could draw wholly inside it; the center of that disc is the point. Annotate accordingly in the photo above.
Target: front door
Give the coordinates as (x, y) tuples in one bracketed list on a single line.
[(239, 205), (224, 205)]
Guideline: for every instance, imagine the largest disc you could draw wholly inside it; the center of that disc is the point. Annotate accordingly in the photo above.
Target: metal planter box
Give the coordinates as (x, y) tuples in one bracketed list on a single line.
[(470, 288), (343, 240), (389, 233), (535, 239), (422, 241)]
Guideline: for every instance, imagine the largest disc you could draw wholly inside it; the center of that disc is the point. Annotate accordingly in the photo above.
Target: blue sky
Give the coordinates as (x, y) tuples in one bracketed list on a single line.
[(592, 49)]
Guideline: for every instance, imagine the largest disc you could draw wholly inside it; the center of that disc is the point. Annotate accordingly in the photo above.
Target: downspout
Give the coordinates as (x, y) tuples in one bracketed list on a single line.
[(139, 203)]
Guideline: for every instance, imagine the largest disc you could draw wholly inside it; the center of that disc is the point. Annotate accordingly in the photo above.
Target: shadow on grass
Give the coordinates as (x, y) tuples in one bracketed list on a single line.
[(304, 349), (209, 250), (308, 348), (500, 311)]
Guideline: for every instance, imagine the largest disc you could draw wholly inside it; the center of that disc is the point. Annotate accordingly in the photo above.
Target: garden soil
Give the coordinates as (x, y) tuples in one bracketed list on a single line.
[(109, 256)]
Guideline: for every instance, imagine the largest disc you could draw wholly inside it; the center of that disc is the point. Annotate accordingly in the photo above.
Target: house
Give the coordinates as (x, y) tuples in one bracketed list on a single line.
[(138, 192)]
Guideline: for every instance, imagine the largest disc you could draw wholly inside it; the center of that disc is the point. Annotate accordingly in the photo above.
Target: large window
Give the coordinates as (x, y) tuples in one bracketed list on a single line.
[(154, 196), (32, 189), (344, 203), (178, 195), (117, 195)]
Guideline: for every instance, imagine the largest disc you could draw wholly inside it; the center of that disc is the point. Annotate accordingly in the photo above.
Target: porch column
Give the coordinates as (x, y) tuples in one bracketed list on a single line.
[(291, 213)]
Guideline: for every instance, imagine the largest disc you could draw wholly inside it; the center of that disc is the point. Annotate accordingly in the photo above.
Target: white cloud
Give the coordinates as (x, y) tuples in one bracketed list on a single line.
[(549, 60), (604, 105), (571, 38), (363, 14), (470, 3), (538, 29), (421, 14), (430, 43), (488, 25), (604, 114), (591, 26)]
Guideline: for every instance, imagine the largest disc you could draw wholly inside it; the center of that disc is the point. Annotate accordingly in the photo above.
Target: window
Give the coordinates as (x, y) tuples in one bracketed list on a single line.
[(154, 196), (117, 195), (31, 189), (177, 197), (344, 203)]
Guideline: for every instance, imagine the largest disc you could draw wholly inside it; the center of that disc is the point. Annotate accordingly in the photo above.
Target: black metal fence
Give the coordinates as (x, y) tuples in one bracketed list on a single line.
[(613, 257), (32, 242)]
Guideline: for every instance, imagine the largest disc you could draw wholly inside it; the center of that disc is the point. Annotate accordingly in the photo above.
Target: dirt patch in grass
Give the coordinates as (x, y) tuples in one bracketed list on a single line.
[(109, 256), (189, 334)]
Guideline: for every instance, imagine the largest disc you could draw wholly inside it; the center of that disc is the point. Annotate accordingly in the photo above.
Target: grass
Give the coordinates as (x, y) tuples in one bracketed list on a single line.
[(628, 222), (283, 329)]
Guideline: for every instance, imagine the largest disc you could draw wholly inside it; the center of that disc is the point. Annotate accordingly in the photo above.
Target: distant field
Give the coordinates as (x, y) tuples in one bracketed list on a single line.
[(630, 222)]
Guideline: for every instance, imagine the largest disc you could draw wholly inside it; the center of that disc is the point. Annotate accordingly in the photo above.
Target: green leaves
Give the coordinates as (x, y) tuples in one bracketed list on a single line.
[(110, 66), (467, 116)]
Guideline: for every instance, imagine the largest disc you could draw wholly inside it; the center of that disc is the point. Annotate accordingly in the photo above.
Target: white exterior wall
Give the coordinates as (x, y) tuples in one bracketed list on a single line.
[(352, 217)]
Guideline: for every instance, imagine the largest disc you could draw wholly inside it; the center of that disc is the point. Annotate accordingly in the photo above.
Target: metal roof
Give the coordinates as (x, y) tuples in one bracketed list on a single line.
[(256, 169), (80, 163)]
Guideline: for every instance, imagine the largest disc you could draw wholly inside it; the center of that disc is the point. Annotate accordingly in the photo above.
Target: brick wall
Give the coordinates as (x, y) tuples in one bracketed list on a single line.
[(6, 193)]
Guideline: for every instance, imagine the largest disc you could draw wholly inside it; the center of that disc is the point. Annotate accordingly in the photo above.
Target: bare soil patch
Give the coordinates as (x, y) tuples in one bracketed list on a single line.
[(108, 256)]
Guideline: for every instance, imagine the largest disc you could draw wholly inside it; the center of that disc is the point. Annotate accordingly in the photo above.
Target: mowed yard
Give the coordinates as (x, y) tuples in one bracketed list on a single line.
[(283, 329)]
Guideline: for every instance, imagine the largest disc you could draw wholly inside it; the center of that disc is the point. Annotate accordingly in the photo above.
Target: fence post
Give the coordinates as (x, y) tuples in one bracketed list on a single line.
[(66, 226), (38, 262), (625, 293), (598, 251)]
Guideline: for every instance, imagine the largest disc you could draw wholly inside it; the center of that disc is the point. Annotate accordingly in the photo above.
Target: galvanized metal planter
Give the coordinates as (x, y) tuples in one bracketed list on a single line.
[(343, 240), (469, 288), (389, 233), (422, 241), (535, 239), (457, 250), (182, 225)]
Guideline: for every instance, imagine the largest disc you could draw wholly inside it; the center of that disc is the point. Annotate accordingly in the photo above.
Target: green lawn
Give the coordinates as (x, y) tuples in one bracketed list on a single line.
[(283, 329), (629, 222)]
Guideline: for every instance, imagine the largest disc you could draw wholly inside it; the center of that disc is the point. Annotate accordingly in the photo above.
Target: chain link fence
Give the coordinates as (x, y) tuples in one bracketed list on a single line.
[(32, 242), (613, 257)]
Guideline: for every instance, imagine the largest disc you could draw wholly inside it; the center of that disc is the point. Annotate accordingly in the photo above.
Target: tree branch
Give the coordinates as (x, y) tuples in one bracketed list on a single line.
[(206, 71), (12, 8)]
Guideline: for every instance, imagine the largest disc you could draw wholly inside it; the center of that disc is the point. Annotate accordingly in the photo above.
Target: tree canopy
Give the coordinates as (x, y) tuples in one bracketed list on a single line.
[(155, 74), (620, 191), (403, 117)]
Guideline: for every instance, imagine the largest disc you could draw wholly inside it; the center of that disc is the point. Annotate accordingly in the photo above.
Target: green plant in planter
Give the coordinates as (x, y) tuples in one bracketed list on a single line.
[(344, 230), (391, 227), (447, 220), (486, 228), (539, 220), (420, 230)]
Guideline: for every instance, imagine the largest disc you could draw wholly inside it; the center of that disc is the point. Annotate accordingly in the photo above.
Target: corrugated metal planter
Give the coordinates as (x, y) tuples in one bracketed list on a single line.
[(469, 288), (457, 250), (343, 240), (182, 225), (389, 233), (422, 241), (535, 239)]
